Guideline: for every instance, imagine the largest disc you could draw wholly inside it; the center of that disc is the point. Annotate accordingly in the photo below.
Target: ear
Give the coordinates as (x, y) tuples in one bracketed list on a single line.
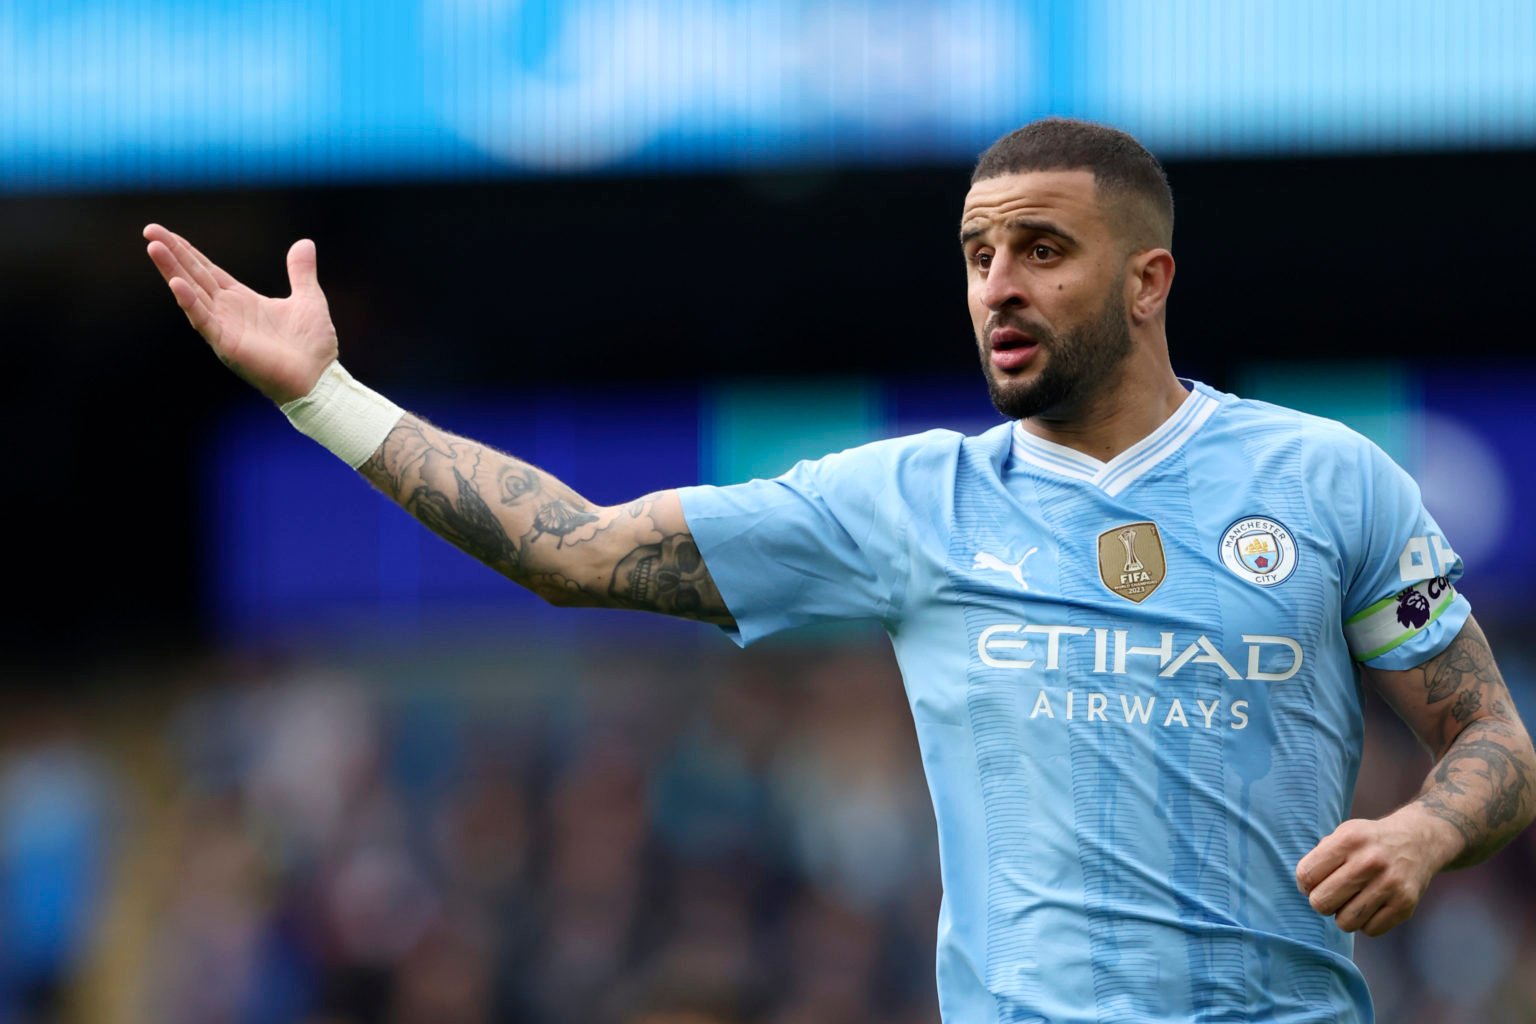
[(1149, 278)]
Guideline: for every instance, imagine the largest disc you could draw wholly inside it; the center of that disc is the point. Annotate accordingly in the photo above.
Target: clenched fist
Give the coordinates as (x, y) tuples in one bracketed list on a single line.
[(1370, 875)]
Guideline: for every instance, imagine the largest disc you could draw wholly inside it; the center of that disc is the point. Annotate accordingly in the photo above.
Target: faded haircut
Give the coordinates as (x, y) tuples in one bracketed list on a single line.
[(1127, 175)]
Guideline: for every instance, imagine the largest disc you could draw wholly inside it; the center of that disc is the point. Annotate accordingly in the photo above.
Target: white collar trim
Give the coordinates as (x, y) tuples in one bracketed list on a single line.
[(1131, 465)]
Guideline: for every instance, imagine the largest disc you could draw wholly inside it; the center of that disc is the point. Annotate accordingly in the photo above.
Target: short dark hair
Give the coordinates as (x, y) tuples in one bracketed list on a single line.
[(1122, 168)]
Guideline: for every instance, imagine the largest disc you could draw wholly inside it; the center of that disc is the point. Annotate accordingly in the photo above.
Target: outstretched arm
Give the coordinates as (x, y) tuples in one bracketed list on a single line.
[(535, 530), (1480, 794), (517, 519)]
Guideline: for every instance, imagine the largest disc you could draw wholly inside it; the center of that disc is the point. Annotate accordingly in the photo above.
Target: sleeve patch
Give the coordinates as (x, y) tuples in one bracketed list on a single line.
[(1398, 618)]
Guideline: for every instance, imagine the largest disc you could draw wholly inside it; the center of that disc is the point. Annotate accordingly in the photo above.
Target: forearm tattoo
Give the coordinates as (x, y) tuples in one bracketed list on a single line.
[(538, 532), (668, 576), (469, 524), (1484, 782)]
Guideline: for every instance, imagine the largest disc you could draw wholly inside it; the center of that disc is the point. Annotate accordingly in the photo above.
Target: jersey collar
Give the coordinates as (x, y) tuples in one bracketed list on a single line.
[(1120, 472)]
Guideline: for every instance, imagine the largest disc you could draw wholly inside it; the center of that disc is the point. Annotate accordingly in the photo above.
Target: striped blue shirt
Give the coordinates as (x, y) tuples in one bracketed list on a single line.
[(1132, 683)]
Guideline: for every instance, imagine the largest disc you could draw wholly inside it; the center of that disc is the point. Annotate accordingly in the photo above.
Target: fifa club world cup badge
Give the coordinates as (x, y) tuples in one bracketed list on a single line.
[(1131, 561), (1259, 550)]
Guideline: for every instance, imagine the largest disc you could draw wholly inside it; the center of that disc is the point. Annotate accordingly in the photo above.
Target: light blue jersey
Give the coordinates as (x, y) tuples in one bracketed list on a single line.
[(1132, 683)]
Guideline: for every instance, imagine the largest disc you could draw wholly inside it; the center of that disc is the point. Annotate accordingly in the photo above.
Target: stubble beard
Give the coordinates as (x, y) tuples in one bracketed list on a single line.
[(1081, 363)]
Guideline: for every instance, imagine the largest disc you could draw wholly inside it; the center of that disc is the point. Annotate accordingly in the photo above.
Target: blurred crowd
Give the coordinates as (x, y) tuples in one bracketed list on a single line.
[(547, 834)]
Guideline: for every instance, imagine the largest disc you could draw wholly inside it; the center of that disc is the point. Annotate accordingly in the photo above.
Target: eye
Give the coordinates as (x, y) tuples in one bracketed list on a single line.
[(1041, 251), (982, 259)]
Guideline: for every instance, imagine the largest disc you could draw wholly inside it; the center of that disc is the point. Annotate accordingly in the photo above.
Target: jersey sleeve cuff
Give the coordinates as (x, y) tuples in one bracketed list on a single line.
[(698, 504)]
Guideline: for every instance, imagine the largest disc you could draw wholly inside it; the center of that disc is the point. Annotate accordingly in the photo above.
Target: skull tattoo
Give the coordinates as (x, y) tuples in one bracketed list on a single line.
[(668, 577)]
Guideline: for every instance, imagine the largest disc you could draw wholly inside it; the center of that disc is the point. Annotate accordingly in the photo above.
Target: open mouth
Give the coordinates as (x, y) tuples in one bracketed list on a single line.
[(1009, 338), (1011, 349)]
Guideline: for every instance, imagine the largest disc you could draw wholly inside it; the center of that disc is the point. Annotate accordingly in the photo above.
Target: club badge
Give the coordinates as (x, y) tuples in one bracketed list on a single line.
[(1259, 550)]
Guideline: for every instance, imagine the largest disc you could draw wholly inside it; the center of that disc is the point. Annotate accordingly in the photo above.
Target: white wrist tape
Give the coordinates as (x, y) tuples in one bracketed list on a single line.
[(350, 420)]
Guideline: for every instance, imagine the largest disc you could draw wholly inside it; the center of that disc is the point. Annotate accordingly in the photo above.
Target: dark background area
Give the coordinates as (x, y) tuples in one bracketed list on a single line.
[(495, 287)]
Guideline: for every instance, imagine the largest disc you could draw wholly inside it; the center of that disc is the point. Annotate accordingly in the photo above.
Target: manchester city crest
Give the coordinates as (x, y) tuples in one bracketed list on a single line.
[(1259, 550)]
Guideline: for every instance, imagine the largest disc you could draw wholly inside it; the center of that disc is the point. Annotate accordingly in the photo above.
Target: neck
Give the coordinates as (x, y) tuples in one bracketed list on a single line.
[(1108, 422)]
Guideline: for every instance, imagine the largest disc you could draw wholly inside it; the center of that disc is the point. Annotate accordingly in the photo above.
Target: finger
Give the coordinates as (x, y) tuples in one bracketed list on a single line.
[(1324, 859), (303, 268), (1333, 892), (1385, 919), (221, 277), (199, 312), (1362, 907), (180, 250), (163, 259), (197, 266), (169, 266)]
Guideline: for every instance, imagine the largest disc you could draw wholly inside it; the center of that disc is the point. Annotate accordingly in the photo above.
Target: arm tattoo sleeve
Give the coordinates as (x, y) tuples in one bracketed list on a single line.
[(667, 577), (1484, 781), (538, 532), (469, 524)]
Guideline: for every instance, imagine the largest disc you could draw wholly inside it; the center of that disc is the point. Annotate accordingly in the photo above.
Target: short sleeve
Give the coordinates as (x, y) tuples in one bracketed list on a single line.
[(1401, 606), (824, 542)]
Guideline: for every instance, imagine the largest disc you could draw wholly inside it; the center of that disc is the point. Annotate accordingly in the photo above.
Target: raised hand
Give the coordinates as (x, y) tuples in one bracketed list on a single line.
[(280, 346)]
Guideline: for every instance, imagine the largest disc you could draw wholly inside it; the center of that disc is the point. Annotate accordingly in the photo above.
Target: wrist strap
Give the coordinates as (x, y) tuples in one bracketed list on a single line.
[(348, 419)]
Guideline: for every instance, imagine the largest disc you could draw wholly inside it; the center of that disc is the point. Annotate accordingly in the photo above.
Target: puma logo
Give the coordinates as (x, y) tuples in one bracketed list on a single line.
[(987, 560)]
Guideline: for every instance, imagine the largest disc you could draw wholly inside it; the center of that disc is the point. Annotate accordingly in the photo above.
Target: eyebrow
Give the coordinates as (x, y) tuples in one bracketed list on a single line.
[(1019, 224)]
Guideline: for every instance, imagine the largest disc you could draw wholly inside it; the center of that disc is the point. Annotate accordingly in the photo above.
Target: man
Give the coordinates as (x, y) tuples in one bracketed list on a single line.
[(1128, 620)]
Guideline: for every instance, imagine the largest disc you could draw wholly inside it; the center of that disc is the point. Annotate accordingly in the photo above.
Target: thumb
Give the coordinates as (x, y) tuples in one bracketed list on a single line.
[(302, 274)]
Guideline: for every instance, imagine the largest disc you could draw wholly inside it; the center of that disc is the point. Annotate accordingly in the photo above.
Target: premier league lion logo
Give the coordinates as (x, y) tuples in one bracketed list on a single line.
[(1412, 608)]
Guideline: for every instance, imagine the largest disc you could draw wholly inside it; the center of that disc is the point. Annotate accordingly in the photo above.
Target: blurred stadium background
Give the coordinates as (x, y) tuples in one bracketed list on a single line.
[(270, 753)]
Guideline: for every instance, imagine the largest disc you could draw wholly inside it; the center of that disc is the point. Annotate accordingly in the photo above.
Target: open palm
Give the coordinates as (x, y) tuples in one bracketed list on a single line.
[(279, 345)]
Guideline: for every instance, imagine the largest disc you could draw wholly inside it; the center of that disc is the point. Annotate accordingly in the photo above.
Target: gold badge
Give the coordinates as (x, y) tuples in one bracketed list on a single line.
[(1131, 561)]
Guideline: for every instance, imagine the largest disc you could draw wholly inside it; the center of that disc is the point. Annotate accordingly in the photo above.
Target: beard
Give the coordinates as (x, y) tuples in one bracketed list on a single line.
[(1081, 362)]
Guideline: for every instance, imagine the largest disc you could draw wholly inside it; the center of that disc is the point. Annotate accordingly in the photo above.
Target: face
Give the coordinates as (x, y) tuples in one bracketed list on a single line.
[(1045, 276)]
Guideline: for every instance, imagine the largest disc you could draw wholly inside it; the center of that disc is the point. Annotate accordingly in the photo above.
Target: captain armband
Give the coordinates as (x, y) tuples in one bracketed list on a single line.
[(1393, 621), (348, 419)]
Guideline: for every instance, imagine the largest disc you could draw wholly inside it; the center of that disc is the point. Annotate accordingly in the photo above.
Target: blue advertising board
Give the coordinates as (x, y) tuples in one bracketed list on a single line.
[(155, 93)]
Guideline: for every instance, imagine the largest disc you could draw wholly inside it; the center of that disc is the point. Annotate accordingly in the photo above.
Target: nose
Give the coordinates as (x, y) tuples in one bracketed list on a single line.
[(1004, 284)]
